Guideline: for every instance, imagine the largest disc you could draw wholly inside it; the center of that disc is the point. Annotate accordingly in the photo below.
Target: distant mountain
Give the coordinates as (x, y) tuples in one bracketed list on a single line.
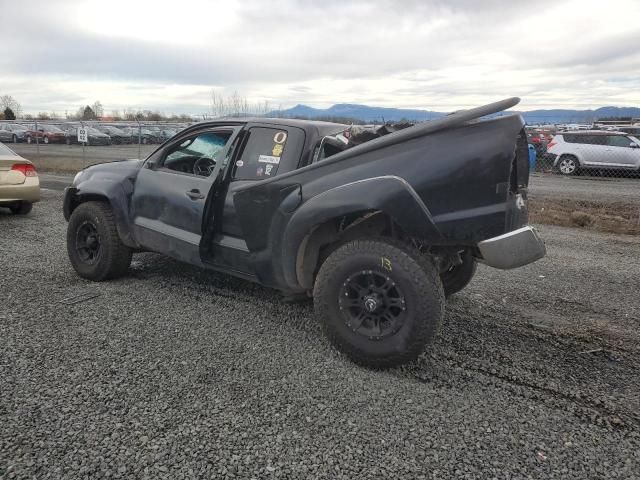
[(360, 112), (370, 114)]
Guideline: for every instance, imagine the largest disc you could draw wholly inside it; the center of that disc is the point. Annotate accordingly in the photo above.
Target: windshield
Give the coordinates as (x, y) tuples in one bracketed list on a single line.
[(52, 128), (6, 151)]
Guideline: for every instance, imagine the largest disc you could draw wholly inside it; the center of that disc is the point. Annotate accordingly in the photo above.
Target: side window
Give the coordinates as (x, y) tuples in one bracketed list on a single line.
[(262, 153), (591, 139), (197, 155), (618, 141)]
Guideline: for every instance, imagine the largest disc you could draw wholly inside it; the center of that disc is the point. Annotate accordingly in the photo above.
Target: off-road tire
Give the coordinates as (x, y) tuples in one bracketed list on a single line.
[(114, 258), (415, 274), (22, 208), (459, 276)]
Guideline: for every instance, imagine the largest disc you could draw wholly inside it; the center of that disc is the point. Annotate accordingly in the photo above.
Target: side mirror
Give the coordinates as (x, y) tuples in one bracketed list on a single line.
[(634, 145)]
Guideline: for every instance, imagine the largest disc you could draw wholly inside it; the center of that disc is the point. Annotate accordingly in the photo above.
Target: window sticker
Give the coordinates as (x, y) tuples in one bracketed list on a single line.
[(280, 137), (259, 172), (267, 169), (277, 150), (239, 163), (269, 159)]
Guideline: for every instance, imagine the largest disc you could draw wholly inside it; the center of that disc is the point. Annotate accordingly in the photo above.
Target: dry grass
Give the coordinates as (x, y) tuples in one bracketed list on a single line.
[(614, 217)]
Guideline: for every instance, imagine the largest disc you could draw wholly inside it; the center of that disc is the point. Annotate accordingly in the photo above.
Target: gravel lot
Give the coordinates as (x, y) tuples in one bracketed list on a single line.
[(584, 187), (175, 373)]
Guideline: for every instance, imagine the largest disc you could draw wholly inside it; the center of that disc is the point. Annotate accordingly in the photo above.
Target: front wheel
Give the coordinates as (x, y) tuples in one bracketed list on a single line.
[(14, 139), (93, 245), (45, 140), (379, 302), (29, 139)]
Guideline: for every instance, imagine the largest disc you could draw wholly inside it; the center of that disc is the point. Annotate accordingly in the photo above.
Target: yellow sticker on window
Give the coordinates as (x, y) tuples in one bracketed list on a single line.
[(277, 150)]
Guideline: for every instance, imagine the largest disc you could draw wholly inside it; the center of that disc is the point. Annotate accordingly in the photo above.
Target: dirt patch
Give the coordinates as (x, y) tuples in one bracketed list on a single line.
[(613, 217)]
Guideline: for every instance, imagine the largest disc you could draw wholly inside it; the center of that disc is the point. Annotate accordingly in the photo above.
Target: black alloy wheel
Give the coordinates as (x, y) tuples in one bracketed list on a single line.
[(88, 243), (372, 304)]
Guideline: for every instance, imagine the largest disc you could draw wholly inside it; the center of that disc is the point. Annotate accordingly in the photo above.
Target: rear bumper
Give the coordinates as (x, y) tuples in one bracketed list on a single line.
[(29, 191), (513, 249)]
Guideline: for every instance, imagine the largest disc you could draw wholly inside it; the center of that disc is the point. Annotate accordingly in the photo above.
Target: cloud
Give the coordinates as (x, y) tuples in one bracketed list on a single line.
[(432, 54)]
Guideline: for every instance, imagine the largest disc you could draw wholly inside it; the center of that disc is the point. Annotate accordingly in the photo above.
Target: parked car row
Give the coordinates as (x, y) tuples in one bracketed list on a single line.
[(98, 134)]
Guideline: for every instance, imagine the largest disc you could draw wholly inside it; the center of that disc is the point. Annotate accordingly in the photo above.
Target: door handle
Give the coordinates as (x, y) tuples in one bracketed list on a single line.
[(195, 194)]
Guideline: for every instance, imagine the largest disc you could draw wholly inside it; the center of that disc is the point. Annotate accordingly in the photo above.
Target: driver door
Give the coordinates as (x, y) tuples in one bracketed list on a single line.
[(171, 190)]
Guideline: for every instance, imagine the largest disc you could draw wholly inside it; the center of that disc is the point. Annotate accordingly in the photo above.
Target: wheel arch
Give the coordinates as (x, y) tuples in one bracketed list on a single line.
[(109, 193), (360, 209)]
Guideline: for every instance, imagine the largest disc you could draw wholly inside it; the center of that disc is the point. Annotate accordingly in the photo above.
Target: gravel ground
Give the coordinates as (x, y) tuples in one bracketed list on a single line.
[(176, 373)]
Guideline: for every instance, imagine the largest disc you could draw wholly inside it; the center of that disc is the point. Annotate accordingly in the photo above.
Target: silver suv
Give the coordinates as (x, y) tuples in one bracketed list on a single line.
[(573, 151)]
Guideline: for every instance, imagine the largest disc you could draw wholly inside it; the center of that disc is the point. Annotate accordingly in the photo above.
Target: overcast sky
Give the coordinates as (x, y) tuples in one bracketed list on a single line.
[(431, 54)]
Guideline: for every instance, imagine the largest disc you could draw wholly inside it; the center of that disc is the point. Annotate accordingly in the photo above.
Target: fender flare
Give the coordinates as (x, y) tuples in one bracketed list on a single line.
[(110, 191), (389, 194)]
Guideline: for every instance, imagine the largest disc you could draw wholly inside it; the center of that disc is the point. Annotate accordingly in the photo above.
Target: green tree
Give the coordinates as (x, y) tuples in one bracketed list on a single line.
[(8, 114)]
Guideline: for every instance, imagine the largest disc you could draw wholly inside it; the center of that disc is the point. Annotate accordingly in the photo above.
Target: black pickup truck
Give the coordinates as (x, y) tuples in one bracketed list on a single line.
[(378, 233)]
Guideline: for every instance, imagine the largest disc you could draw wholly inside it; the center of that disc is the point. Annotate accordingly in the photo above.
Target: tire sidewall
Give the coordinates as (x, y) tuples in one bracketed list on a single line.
[(459, 276), (98, 270), (22, 208), (424, 308)]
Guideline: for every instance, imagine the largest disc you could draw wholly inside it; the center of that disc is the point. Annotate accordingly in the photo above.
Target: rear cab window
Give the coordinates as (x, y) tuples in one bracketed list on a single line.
[(269, 151)]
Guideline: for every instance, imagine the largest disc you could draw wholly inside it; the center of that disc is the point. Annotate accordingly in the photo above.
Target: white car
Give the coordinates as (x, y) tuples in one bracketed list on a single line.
[(573, 151)]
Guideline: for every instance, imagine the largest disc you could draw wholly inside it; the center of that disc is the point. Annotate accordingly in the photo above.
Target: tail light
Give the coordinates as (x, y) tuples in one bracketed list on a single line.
[(551, 144), (27, 169)]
